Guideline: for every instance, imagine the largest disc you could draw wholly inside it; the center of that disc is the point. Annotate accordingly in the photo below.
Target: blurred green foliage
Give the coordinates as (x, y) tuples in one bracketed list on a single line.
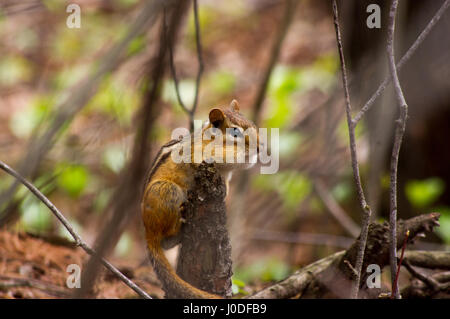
[(444, 229), (23, 122), (54, 5), (136, 45), (237, 286), (102, 200), (206, 16), (221, 82), (289, 142), (186, 88), (72, 178), (291, 185), (422, 193), (269, 269), (116, 100), (286, 82), (14, 70), (35, 216), (342, 191)]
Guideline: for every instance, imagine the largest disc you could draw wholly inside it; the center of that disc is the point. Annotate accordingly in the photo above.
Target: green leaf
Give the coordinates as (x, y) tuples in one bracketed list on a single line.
[(422, 193), (72, 179), (237, 286)]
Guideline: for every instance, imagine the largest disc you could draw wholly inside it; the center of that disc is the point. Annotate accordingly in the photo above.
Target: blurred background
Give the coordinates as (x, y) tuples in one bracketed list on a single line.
[(278, 223)]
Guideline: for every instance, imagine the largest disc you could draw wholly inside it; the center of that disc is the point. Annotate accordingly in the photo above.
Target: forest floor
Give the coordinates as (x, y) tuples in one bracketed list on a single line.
[(32, 267)]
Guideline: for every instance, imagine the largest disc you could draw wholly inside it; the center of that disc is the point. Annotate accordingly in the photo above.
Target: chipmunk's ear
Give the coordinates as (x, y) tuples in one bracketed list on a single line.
[(234, 105), (216, 117)]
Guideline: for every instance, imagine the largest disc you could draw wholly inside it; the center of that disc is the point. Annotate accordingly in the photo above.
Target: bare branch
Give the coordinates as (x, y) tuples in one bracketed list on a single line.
[(367, 212), (75, 236), (399, 132), (191, 112), (200, 60), (403, 60)]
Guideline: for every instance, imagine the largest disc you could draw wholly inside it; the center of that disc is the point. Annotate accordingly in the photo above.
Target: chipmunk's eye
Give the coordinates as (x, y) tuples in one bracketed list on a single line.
[(236, 132)]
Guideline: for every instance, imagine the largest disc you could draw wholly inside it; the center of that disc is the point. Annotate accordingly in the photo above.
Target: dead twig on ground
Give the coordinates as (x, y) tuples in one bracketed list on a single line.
[(78, 240)]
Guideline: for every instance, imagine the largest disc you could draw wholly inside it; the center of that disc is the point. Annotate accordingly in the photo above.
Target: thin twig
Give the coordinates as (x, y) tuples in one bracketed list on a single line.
[(75, 236), (399, 132), (200, 61), (400, 262), (367, 212), (430, 281), (198, 42), (333, 207), (402, 61)]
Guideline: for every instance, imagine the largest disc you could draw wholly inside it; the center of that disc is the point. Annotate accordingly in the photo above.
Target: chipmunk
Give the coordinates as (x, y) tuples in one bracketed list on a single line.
[(169, 181)]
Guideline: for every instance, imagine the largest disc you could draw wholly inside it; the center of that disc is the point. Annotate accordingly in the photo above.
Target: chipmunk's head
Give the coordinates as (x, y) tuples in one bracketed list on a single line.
[(235, 134)]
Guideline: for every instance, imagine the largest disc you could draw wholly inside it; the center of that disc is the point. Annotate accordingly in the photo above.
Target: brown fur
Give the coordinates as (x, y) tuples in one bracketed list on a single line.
[(166, 192)]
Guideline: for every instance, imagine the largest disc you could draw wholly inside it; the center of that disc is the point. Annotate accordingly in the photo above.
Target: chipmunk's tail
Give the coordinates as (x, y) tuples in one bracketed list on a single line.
[(169, 278)]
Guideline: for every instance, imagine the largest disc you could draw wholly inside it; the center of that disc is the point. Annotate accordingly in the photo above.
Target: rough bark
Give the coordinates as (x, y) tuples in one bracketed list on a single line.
[(205, 255)]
